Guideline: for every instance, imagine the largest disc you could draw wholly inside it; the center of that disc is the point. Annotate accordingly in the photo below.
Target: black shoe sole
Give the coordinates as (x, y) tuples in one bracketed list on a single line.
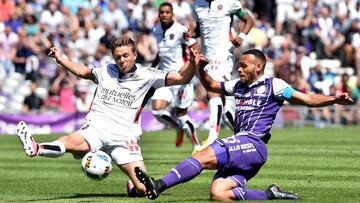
[(274, 192), (148, 182)]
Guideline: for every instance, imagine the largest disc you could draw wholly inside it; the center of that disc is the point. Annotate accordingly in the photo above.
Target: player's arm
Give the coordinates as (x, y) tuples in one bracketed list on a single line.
[(208, 83), (284, 91), (188, 70), (182, 77), (248, 24), (77, 69), (247, 18), (318, 100)]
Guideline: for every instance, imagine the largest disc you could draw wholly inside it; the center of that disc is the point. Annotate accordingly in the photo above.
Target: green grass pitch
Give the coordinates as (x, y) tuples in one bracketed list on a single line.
[(320, 165)]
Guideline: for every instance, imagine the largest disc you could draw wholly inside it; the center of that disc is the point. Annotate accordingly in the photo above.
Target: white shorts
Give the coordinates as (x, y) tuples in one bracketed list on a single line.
[(122, 151), (284, 11), (181, 96), (220, 67)]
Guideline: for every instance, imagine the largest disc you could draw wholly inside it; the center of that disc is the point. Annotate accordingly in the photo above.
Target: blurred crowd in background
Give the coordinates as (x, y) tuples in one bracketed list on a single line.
[(314, 45)]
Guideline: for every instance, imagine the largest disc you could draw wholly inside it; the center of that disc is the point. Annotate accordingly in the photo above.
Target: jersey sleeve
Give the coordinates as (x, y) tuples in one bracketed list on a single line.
[(96, 72), (228, 86), (158, 77), (183, 30), (282, 90)]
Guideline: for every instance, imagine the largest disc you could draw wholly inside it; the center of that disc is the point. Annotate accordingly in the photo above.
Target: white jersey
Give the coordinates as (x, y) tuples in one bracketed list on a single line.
[(119, 99), (170, 46), (214, 18)]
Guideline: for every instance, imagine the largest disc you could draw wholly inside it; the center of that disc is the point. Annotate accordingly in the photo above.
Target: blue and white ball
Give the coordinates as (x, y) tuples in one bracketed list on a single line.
[(96, 165)]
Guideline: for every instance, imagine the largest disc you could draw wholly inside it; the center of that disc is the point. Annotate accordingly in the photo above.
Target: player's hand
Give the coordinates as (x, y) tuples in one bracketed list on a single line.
[(201, 61), (190, 54), (188, 35), (55, 53), (237, 41), (344, 99), (194, 57)]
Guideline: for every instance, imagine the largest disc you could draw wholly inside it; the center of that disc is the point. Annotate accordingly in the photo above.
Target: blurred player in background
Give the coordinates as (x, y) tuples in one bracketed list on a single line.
[(214, 21), (238, 158), (112, 125), (172, 38)]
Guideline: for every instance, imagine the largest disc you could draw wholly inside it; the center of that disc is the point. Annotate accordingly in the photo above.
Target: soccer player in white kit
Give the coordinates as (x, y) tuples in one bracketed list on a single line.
[(171, 38), (214, 19), (112, 125)]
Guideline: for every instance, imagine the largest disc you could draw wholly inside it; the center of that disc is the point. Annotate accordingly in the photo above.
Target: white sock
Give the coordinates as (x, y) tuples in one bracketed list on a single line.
[(216, 108), (229, 112), (164, 117), (51, 149), (186, 123), (228, 118)]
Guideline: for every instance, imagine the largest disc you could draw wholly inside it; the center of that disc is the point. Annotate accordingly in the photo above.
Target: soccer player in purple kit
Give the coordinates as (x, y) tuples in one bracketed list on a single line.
[(238, 158)]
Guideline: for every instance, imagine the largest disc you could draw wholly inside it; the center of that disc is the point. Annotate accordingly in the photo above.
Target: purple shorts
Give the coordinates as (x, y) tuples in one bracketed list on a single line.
[(239, 155)]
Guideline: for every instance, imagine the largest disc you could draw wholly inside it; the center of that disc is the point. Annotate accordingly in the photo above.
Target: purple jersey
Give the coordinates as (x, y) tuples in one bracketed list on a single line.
[(256, 104)]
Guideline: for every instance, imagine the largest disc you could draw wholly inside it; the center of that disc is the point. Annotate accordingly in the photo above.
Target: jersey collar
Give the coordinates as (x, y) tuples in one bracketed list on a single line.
[(132, 71), (165, 27), (261, 79)]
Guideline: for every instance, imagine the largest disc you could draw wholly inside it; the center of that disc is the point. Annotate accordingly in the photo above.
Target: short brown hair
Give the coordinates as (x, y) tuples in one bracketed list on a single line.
[(121, 41)]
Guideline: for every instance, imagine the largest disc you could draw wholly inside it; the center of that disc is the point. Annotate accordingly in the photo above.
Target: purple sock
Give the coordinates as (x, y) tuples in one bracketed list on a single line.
[(242, 194), (183, 172)]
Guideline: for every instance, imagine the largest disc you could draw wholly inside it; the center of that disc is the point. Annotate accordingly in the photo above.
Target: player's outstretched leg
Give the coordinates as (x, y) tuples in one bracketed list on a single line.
[(144, 178), (27, 141), (274, 192), (181, 173)]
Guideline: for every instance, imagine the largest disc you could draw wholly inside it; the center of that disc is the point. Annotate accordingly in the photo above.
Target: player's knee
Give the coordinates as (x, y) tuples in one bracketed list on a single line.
[(218, 197), (217, 193), (159, 105), (157, 108), (206, 158)]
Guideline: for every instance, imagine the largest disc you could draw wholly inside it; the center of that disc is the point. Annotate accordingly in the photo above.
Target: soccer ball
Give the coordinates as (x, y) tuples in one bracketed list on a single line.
[(96, 165)]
